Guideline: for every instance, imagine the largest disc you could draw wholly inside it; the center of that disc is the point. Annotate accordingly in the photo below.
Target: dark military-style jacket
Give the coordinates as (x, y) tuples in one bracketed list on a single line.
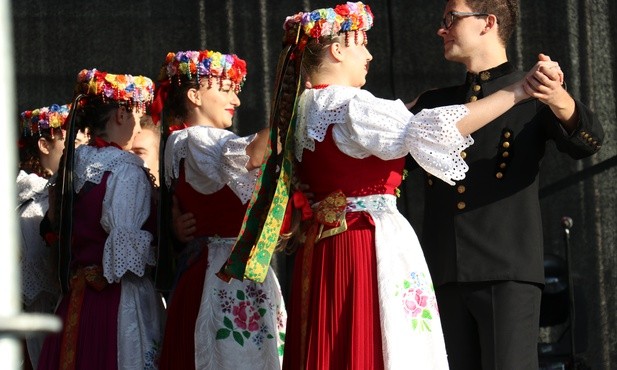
[(488, 226)]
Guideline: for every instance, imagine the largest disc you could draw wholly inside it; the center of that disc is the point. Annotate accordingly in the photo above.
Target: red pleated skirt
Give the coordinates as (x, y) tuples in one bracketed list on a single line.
[(178, 351), (343, 326)]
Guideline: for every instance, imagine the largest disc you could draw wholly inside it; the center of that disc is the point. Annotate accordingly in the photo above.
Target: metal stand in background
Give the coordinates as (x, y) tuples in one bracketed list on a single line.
[(566, 223), (561, 334)]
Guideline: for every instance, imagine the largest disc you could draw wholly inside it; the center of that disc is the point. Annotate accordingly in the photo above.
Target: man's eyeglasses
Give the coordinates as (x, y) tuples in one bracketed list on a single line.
[(448, 20)]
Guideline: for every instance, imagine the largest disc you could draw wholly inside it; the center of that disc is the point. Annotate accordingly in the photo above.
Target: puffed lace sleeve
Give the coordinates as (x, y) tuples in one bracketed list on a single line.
[(126, 207), (386, 129), (215, 158)]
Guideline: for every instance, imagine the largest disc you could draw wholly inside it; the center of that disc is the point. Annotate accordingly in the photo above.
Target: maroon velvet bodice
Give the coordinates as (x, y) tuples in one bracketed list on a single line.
[(88, 235)]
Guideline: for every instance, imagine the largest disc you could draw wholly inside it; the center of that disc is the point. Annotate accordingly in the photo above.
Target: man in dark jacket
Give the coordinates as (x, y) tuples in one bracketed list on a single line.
[(482, 238)]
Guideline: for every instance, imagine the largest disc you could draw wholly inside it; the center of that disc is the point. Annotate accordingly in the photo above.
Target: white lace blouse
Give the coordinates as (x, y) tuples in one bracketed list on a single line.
[(213, 158), (126, 207), (37, 266), (365, 125)]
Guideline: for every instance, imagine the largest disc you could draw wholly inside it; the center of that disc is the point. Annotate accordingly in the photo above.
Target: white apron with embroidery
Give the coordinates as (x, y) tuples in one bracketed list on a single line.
[(240, 325)]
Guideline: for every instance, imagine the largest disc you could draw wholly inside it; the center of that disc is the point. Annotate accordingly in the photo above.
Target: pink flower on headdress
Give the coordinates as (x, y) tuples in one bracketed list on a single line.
[(336, 25), (353, 7), (108, 91), (193, 56), (327, 29)]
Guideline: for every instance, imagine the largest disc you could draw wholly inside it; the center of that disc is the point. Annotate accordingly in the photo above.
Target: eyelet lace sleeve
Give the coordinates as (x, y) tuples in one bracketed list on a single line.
[(126, 207), (213, 158), (366, 126)]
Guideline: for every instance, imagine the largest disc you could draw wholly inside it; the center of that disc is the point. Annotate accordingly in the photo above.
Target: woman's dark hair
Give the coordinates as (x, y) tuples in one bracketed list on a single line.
[(315, 51), (94, 113), (30, 156), (176, 100)]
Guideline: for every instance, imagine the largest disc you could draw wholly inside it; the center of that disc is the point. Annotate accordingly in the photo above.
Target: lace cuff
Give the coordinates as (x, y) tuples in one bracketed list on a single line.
[(436, 143), (234, 161), (127, 250), (126, 207)]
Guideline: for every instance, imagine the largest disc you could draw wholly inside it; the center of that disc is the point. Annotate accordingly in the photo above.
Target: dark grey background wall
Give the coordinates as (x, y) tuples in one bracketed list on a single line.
[(55, 39)]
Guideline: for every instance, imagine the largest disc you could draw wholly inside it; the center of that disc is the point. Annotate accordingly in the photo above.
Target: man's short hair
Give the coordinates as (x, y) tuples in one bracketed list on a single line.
[(506, 11)]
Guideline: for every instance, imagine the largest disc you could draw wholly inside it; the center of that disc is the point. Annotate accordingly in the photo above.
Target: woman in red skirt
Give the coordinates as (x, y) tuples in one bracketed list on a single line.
[(362, 296)]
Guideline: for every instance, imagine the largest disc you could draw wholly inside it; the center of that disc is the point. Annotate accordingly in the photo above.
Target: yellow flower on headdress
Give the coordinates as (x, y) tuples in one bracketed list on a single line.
[(216, 67)]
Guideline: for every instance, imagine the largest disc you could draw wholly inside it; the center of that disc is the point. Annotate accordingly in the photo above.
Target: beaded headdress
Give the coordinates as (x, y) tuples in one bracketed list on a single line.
[(186, 65), (133, 91), (351, 16), (44, 120)]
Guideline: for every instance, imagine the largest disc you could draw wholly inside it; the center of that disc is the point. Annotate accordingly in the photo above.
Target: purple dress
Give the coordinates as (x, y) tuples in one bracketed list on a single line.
[(112, 314)]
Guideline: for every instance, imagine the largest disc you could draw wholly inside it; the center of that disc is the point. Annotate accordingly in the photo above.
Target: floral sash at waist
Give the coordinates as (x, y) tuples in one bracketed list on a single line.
[(329, 214), (375, 202)]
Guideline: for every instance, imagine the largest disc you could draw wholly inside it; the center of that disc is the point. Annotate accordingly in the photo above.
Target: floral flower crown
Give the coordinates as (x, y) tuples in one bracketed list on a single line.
[(44, 120), (330, 21), (134, 91), (204, 63)]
